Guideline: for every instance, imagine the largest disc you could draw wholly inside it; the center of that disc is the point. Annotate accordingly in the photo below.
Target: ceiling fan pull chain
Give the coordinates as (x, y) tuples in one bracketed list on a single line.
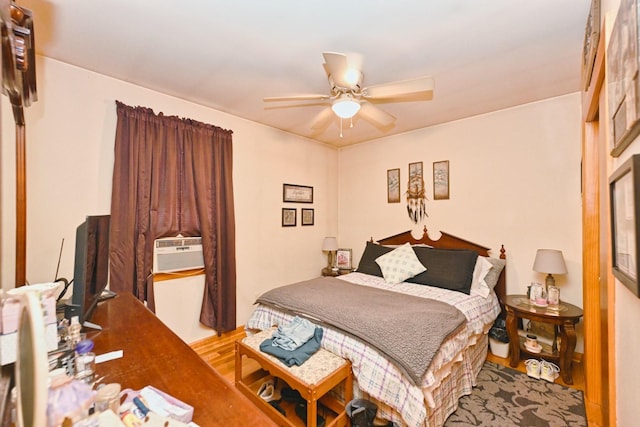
[(351, 122), (341, 128)]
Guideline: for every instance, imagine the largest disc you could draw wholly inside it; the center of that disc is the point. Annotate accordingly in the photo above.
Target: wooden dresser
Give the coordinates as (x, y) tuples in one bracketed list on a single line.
[(154, 355)]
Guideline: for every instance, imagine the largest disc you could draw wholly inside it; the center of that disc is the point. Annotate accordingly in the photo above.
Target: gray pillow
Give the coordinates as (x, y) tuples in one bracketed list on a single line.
[(367, 264), (446, 268), (491, 279)]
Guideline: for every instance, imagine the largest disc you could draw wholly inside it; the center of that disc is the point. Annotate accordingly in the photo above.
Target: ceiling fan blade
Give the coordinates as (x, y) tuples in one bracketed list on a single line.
[(420, 88), (322, 120), (375, 115), (308, 97), (276, 106), (336, 66)]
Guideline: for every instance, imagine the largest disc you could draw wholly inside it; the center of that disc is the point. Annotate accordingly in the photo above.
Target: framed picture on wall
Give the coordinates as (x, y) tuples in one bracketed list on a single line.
[(441, 180), (297, 193), (416, 194), (415, 170), (590, 44), (307, 217), (288, 217), (624, 186), (623, 91), (393, 185)]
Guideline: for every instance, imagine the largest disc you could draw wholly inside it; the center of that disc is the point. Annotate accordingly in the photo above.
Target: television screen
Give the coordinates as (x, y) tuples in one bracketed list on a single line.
[(91, 269)]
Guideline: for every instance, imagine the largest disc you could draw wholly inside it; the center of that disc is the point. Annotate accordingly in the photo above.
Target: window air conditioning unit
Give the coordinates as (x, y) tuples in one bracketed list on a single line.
[(177, 254)]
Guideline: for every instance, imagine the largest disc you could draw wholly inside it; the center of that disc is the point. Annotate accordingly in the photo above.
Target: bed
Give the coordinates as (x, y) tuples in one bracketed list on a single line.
[(418, 383)]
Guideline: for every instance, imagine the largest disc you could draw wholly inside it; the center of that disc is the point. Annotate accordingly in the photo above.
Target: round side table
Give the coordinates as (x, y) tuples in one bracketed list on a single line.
[(564, 319)]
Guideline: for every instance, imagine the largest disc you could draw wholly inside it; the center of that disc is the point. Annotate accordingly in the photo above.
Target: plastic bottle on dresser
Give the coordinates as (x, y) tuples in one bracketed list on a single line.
[(85, 361), (74, 331)]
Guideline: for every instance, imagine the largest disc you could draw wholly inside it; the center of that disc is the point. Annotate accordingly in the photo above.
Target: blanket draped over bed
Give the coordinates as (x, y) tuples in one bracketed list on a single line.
[(408, 329)]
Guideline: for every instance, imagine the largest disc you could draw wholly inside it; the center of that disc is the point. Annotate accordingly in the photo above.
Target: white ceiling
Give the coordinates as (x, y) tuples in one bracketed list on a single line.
[(484, 55)]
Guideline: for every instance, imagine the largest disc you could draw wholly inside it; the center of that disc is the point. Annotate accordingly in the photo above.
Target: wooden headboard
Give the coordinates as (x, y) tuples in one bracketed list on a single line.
[(448, 241)]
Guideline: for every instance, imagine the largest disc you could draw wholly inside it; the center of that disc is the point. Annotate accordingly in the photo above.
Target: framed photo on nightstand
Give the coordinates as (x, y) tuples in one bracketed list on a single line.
[(343, 259)]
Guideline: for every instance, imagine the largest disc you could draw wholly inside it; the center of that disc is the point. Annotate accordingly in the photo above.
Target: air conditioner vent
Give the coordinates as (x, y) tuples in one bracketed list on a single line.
[(171, 254)]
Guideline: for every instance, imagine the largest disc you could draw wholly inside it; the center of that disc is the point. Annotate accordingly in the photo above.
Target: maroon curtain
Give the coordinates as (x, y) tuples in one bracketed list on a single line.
[(172, 176)]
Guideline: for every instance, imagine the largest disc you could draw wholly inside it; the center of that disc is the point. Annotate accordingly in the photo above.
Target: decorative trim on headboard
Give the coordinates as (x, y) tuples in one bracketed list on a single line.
[(446, 241)]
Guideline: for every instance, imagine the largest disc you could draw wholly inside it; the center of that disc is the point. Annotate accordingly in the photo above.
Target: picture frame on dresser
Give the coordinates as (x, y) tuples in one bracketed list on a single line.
[(624, 193)]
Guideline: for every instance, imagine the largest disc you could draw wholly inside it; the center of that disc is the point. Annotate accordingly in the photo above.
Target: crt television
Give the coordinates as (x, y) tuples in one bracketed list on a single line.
[(91, 269)]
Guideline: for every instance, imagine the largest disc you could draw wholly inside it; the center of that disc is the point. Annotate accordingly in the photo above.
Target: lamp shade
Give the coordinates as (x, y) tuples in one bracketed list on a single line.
[(330, 244), (549, 261), (345, 107)]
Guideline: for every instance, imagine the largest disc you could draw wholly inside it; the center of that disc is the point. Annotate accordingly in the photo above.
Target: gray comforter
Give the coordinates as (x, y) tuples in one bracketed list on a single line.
[(407, 329)]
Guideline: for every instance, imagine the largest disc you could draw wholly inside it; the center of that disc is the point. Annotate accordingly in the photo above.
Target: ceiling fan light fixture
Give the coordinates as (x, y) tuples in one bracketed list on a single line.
[(353, 76), (345, 107)]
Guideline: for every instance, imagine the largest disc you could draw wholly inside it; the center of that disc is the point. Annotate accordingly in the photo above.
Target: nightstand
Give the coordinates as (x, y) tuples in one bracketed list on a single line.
[(563, 318), (327, 272)]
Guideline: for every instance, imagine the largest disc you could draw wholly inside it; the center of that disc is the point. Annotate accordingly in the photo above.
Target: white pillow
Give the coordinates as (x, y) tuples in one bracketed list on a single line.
[(400, 264), (478, 284)]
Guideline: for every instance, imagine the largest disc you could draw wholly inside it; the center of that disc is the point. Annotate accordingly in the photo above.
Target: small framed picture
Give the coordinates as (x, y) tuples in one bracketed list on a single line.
[(343, 259), (288, 217), (307, 217), (393, 185), (553, 295)]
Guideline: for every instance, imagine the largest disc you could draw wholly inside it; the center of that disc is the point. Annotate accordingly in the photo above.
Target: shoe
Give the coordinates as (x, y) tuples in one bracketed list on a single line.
[(359, 418), (549, 371), (290, 395), (533, 368), (268, 391), (276, 405), (301, 412), (361, 412)]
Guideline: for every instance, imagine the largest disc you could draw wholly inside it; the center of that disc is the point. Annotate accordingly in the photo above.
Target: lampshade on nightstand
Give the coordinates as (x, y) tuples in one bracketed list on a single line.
[(549, 261), (330, 244)]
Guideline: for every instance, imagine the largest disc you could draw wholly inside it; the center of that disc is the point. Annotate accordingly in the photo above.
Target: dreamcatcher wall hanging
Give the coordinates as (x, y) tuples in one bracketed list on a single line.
[(416, 198)]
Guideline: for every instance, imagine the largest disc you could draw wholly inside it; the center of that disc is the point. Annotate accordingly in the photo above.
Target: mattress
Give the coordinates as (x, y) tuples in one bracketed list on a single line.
[(452, 371)]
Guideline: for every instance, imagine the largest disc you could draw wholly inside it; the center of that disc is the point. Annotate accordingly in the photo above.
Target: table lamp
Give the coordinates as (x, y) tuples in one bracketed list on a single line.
[(330, 244), (550, 261)]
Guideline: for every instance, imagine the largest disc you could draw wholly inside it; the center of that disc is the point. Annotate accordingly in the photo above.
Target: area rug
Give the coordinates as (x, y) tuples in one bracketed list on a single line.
[(506, 397)]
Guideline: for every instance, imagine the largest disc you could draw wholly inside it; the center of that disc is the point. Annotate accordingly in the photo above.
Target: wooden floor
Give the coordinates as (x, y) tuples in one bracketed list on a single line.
[(219, 353)]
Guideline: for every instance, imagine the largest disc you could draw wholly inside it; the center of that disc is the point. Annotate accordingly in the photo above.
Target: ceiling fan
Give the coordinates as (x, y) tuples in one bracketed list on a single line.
[(348, 97)]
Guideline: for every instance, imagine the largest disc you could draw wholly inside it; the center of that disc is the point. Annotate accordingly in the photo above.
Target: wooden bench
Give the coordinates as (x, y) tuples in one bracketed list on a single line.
[(313, 380)]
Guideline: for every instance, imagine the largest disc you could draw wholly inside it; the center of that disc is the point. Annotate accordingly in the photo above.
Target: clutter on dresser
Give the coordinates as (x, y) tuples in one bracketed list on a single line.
[(56, 385), (9, 316)]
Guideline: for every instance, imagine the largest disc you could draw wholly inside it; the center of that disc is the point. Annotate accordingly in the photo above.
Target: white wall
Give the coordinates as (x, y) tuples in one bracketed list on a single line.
[(70, 137), (514, 180)]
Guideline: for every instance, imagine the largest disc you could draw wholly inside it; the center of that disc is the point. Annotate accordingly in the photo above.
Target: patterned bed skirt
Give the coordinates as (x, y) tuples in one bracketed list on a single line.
[(459, 383)]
